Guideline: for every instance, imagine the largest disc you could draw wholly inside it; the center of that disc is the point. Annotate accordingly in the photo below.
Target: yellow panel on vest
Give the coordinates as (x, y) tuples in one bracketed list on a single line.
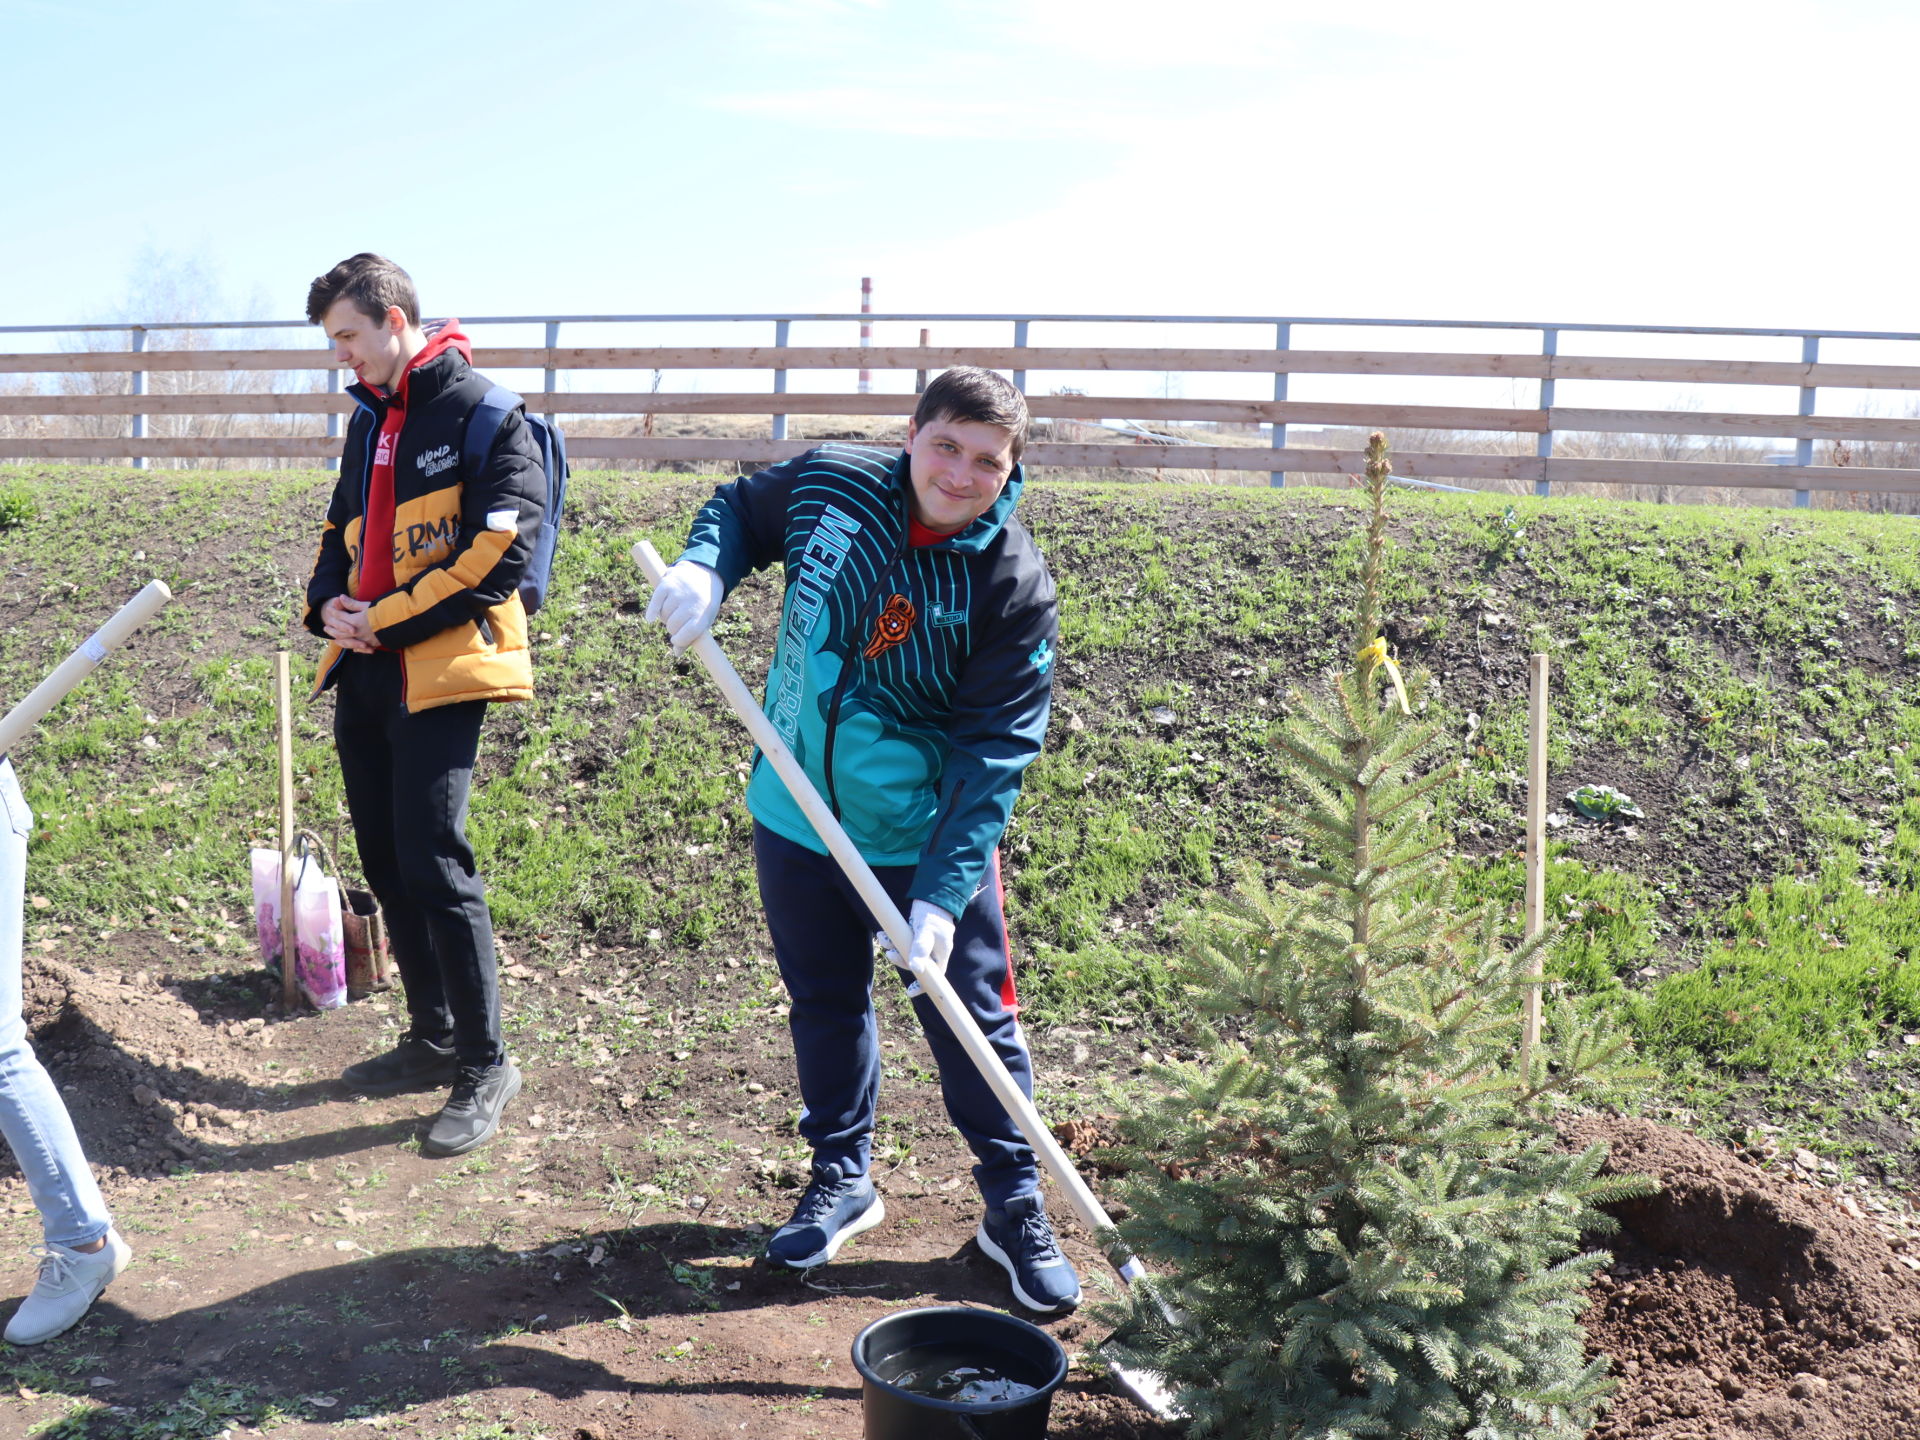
[(424, 530)]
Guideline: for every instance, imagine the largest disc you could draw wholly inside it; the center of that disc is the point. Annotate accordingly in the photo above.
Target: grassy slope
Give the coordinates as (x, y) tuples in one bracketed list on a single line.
[(1749, 675)]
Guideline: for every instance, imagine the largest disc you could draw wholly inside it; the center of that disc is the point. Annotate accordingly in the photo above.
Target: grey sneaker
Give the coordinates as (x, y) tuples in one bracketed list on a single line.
[(1020, 1240), (410, 1065), (472, 1112), (70, 1281), (835, 1208)]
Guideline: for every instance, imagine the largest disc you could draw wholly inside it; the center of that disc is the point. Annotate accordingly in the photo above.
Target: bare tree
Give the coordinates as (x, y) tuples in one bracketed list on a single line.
[(169, 288)]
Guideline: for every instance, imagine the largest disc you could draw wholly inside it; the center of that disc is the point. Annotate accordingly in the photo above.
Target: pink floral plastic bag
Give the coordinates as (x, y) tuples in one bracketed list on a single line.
[(266, 906), (320, 943)]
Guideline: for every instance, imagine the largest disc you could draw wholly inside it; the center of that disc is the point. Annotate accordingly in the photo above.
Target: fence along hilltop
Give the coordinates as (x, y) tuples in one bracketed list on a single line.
[(169, 395)]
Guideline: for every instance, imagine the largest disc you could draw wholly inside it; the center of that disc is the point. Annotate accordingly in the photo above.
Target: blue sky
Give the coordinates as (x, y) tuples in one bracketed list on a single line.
[(1680, 162)]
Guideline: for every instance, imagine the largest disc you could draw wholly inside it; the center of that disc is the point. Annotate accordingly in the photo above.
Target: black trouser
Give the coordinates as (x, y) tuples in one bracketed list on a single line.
[(407, 778)]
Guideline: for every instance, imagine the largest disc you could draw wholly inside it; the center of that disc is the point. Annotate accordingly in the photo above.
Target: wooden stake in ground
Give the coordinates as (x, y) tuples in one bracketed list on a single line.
[(284, 704), (1536, 842)]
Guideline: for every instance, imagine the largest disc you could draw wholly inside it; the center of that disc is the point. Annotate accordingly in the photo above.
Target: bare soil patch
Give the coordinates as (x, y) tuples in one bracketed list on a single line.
[(292, 1244), (1744, 1304)]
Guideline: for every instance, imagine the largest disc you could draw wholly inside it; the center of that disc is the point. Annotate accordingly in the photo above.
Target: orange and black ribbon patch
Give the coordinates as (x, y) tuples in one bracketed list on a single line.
[(893, 626)]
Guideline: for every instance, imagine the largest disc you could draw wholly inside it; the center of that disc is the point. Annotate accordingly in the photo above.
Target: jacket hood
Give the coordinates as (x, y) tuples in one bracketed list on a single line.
[(979, 534), (443, 359)]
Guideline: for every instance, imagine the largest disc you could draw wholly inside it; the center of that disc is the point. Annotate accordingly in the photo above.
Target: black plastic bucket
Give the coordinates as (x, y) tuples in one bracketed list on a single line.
[(1021, 1361)]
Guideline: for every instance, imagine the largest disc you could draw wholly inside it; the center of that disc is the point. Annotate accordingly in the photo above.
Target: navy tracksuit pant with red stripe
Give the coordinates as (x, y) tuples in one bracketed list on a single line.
[(823, 940)]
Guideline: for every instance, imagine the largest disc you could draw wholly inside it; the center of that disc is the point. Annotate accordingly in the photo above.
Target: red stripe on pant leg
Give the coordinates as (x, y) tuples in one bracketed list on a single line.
[(1007, 996)]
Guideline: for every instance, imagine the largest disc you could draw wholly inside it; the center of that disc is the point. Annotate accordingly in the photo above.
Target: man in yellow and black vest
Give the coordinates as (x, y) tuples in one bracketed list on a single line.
[(416, 586)]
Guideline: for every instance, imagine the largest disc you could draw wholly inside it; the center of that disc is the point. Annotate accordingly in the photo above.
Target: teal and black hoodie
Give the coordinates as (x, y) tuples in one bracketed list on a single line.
[(912, 682)]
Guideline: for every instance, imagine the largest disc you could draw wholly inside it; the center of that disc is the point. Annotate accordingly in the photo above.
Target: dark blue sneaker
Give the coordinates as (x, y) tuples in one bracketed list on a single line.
[(1019, 1239), (835, 1208)]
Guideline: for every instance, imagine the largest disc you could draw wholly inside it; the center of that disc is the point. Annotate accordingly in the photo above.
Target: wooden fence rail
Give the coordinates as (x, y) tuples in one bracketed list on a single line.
[(1445, 465), (1012, 357), (1532, 428), (1867, 428)]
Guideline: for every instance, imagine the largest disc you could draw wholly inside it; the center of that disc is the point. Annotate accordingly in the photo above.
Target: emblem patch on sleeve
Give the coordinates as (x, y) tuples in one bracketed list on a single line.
[(1041, 657), (503, 519)]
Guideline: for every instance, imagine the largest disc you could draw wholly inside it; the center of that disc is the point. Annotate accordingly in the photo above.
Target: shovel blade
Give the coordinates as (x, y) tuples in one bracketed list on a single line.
[(1146, 1388)]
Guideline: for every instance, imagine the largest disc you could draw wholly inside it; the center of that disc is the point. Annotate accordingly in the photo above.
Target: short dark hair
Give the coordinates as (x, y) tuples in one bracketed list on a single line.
[(974, 396), (372, 282)]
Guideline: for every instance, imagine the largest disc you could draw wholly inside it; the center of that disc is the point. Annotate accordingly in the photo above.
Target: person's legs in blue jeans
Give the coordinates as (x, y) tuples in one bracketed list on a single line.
[(33, 1118), (82, 1254)]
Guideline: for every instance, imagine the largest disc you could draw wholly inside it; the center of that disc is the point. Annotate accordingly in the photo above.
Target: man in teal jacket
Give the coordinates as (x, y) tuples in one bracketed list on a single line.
[(912, 679)]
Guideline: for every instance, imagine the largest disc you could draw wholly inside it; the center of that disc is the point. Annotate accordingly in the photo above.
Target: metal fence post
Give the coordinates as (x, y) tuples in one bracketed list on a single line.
[(553, 343), (780, 332), (139, 379), (1803, 447), (333, 417), (1020, 343), (1282, 340), (866, 331), (1543, 447)]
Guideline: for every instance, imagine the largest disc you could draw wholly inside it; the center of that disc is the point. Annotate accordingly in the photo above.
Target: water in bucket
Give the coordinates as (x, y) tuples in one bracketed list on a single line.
[(964, 1374), (956, 1372)]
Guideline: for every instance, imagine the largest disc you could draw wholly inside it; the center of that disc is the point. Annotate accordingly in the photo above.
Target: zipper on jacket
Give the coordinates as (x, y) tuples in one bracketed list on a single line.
[(366, 482), (846, 673), (366, 487)]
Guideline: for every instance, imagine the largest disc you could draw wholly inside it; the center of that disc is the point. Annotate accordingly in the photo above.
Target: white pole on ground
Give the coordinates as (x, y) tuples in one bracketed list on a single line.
[(81, 663), (289, 935), (1536, 845)]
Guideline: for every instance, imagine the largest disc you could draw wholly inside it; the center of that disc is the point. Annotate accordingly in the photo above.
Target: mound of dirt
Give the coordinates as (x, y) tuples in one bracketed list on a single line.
[(1743, 1304), (189, 1073)]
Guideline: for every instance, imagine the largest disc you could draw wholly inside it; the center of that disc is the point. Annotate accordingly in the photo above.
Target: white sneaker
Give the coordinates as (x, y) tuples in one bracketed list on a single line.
[(70, 1281)]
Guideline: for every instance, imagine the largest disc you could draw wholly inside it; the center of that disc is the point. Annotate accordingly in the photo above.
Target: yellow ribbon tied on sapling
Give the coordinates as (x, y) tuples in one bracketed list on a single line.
[(1373, 657)]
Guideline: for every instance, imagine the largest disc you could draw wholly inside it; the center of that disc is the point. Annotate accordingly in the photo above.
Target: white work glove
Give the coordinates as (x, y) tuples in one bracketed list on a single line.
[(685, 601), (932, 938)]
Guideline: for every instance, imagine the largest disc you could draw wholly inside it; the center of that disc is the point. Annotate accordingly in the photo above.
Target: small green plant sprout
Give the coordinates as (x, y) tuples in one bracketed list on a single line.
[(1506, 534), (697, 1280), (17, 506), (623, 1318), (1353, 1198), (1603, 802)]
